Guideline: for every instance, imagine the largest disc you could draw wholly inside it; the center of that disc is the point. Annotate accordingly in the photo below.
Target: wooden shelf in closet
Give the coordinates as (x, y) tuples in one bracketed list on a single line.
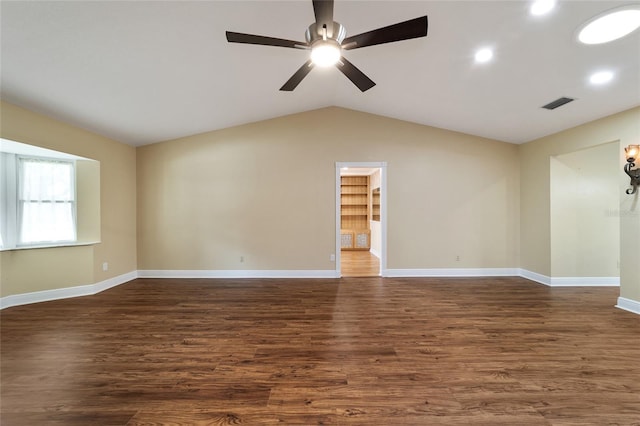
[(355, 213), (375, 204)]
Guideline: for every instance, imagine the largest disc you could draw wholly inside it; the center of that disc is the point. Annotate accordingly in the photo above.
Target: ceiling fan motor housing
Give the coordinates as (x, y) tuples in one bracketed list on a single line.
[(315, 32)]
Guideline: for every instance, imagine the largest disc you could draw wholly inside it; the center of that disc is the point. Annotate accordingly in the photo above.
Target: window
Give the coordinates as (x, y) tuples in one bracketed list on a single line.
[(39, 201), (46, 202)]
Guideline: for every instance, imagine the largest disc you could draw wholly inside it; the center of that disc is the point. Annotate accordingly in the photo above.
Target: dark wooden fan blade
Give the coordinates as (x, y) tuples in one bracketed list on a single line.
[(296, 78), (323, 9), (406, 30), (263, 40), (356, 76)]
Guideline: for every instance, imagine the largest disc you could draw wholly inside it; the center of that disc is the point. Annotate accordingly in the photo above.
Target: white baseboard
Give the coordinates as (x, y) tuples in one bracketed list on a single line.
[(240, 273), (628, 305), (65, 293), (451, 272), (534, 276), (585, 281), (570, 281)]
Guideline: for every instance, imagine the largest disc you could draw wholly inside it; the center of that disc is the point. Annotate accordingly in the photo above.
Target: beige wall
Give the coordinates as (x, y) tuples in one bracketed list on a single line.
[(585, 229), (623, 128), (88, 200), (24, 271), (265, 191)]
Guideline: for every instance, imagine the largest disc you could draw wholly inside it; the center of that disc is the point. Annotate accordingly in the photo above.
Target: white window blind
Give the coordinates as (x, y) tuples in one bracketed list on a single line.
[(46, 201)]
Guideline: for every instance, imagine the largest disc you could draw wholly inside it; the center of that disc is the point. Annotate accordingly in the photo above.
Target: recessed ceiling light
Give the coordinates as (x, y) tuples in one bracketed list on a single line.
[(611, 25), (484, 55), (542, 7), (601, 77)]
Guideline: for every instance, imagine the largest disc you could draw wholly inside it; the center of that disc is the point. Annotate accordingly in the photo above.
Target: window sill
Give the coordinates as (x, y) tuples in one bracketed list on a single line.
[(54, 245)]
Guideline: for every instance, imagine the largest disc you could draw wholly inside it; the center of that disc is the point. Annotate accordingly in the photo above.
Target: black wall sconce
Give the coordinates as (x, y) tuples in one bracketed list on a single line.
[(632, 152)]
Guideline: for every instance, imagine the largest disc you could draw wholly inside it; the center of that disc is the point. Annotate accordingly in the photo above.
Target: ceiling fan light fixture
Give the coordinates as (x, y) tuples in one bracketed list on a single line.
[(610, 26), (325, 53)]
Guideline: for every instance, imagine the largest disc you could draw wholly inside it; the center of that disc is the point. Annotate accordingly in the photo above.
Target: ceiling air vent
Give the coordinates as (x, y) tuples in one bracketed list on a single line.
[(558, 103)]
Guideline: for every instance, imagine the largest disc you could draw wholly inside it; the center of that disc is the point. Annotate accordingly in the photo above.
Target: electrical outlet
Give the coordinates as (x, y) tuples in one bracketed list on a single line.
[(457, 258), (105, 266), (241, 259), (332, 257)]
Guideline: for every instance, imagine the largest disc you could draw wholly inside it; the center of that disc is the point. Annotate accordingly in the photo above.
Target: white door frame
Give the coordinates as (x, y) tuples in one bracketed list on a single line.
[(383, 211)]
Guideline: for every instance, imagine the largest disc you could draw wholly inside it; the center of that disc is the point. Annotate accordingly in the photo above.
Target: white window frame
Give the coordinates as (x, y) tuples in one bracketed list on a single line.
[(11, 206)]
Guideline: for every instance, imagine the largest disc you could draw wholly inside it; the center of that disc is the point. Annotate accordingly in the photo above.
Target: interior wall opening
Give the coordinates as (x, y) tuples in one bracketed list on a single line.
[(360, 215)]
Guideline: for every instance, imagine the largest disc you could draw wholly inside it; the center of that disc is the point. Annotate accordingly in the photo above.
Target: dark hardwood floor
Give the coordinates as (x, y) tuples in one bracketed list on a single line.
[(364, 351)]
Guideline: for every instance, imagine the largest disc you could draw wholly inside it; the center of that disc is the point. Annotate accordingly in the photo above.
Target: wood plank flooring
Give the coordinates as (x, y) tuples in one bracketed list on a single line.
[(365, 351), (359, 263)]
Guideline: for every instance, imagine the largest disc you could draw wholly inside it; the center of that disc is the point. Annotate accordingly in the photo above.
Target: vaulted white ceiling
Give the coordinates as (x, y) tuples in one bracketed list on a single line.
[(142, 71)]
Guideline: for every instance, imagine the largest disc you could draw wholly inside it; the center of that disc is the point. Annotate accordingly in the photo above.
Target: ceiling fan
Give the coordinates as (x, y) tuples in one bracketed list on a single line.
[(327, 39)]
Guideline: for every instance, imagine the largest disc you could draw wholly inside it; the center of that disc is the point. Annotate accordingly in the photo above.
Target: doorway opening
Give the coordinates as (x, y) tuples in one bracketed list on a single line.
[(361, 219)]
